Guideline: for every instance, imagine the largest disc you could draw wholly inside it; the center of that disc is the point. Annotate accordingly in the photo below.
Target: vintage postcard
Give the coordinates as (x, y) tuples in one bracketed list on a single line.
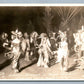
[(42, 42)]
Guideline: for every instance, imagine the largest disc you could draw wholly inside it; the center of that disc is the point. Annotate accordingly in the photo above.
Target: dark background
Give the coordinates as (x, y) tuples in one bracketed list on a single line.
[(23, 18), (29, 19)]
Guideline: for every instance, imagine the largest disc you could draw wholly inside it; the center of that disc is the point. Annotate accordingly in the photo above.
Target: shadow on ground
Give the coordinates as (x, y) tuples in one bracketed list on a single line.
[(73, 67), (29, 63), (5, 64)]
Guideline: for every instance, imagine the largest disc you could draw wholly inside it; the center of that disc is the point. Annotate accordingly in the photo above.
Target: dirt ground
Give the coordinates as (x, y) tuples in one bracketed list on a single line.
[(29, 70)]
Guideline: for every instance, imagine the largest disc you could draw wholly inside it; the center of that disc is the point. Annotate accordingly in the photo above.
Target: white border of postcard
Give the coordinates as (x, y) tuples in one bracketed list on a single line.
[(42, 5)]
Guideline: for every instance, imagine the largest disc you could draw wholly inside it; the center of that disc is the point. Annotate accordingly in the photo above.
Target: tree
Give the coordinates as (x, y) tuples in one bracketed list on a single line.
[(66, 14), (47, 19)]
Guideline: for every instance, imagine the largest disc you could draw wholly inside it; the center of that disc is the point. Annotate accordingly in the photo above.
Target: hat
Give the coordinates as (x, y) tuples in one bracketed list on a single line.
[(43, 35)]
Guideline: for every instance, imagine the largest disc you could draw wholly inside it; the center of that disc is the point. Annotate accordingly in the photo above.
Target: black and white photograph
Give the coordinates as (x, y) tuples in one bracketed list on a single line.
[(41, 42)]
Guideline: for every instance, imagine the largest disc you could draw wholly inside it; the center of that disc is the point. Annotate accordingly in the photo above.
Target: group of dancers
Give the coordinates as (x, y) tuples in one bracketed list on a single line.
[(47, 46)]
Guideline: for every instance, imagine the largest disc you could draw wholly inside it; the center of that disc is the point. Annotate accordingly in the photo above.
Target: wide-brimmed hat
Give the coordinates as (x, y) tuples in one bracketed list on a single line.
[(43, 35)]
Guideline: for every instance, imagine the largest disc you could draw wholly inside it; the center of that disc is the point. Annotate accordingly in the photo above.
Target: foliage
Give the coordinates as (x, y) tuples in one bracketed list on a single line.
[(47, 19), (66, 14)]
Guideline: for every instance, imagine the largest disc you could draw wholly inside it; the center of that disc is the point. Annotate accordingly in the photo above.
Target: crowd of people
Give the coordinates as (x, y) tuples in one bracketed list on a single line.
[(50, 46)]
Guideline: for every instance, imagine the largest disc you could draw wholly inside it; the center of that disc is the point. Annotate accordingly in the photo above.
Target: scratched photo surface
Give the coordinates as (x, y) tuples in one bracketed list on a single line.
[(42, 42)]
